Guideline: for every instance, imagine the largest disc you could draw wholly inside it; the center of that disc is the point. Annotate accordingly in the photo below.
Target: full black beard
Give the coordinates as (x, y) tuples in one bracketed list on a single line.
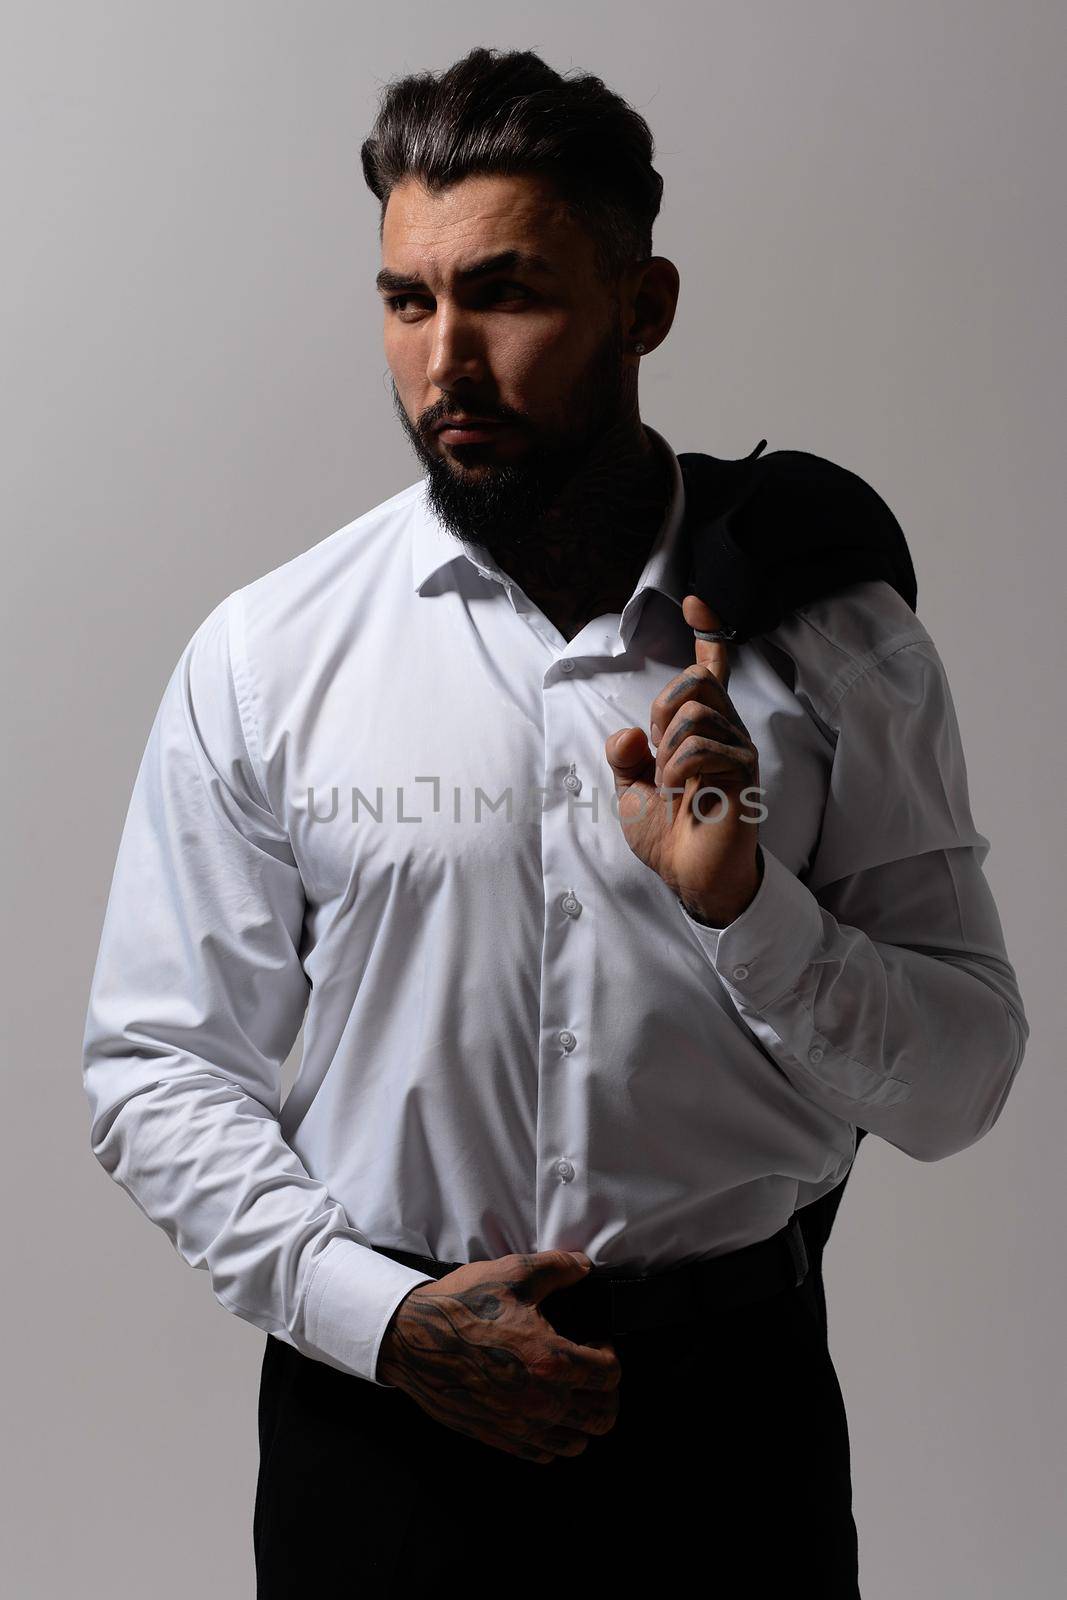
[(563, 491)]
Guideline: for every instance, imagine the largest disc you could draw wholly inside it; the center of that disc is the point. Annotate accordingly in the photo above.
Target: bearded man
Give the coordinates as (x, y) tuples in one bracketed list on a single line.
[(609, 939)]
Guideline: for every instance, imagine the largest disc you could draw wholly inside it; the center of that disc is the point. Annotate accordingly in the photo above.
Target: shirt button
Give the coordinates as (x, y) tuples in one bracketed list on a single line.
[(564, 1171), (572, 781), (815, 1054), (567, 1039), (740, 972), (566, 665), (570, 905)]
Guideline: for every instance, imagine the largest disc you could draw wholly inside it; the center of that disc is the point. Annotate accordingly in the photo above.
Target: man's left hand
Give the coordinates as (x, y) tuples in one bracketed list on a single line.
[(714, 865)]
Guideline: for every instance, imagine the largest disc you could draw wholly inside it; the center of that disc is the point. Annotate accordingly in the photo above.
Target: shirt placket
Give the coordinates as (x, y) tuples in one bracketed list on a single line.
[(562, 1186)]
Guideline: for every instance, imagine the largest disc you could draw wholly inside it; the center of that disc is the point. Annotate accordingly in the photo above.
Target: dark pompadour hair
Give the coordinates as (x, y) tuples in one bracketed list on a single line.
[(507, 112)]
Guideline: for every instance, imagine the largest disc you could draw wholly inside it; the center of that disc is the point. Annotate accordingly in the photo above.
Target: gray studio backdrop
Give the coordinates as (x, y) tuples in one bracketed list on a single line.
[(863, 205)]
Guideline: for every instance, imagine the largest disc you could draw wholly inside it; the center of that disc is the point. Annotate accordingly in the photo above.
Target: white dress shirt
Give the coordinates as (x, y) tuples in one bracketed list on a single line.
[(516, 1039)]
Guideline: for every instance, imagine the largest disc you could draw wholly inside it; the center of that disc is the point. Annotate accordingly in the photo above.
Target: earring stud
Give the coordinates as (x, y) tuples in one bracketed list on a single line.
[(639, 349)]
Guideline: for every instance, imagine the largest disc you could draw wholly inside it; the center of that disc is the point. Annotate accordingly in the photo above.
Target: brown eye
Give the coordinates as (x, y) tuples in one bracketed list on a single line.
[(397, 302)]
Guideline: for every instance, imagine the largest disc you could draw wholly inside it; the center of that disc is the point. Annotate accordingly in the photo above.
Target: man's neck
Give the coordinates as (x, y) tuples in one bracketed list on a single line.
[(592, 549)]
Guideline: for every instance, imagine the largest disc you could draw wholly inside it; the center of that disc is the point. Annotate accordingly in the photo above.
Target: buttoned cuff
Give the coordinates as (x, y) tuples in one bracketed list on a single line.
[(353, 1293), (761, 954)]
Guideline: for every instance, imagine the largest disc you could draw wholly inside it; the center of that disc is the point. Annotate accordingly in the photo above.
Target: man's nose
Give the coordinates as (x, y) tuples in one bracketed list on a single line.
[(455, 352)]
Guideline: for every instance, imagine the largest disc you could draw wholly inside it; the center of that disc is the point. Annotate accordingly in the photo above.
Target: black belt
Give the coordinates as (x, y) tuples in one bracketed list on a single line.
[(605, 1302)]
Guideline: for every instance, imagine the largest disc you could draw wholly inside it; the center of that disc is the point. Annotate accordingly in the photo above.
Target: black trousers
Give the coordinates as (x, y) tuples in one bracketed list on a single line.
[(729, 1457)]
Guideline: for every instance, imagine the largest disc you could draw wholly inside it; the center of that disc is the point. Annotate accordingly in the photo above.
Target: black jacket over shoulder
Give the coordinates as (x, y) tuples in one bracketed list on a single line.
[(770, 533)]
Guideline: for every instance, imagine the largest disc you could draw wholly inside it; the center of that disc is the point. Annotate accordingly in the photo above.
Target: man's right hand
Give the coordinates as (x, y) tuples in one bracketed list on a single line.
[(473, 1350)]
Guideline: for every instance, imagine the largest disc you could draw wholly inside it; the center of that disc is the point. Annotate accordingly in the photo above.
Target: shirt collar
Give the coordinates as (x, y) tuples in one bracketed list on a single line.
[(434, 548)]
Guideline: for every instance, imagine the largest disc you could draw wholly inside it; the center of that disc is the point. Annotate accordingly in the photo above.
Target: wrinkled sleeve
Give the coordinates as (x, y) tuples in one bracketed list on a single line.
[(881, 985), (196, 999)]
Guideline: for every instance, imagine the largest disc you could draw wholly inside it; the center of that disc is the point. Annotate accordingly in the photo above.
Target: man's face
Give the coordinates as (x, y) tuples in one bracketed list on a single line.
[(536, 345)]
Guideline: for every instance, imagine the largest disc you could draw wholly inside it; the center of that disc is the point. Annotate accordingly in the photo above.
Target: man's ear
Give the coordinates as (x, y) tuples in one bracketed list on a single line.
[(655, 301)]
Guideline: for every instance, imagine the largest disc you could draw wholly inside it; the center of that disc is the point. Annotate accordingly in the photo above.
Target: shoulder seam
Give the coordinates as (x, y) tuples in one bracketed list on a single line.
[(855, 667), (866, 668)]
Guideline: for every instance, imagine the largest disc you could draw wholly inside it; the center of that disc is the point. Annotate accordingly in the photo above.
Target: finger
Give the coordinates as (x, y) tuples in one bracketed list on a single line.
[(712, 760), (698, 682), (540, 1273), (564, 1441), (694, 715), (629, 754), (697, 718), (632, 765), (594, 1365), (592, 1413), (709, 653), (527, 1450)]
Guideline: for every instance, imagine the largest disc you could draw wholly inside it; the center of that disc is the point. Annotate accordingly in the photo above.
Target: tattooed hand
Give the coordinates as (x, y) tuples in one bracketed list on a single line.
[(473, 1350)]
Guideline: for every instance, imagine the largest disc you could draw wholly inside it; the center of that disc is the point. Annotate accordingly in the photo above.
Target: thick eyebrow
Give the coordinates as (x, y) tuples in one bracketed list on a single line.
[(388, 282)]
